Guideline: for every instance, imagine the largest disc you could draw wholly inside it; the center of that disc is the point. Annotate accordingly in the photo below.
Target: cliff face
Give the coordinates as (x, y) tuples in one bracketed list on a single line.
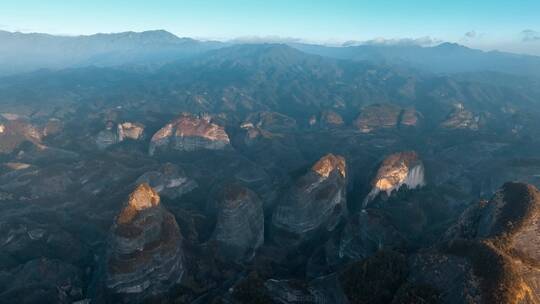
[(190, 132), (316, 201), (385, 116), (494, 249), (398, 169), (130, 130), (144, 254), (123, 131), (240, 222)]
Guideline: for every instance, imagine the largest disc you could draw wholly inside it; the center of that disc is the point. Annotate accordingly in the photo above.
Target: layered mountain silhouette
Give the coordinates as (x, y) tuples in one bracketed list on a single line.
[(143, 167)]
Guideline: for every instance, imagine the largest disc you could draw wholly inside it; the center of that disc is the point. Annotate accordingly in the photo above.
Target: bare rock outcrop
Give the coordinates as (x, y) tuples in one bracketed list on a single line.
[(190, 132), (144, 254), (240, 222), (123, 131), (385, 116), (315, 202), (398, 169)]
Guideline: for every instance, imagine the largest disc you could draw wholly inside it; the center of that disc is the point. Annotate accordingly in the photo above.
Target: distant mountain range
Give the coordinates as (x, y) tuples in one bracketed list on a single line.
[(27, 52), (21, 52)]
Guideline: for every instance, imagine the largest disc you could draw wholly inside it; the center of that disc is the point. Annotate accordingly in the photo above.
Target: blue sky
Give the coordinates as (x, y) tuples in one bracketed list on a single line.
[(494, 24)]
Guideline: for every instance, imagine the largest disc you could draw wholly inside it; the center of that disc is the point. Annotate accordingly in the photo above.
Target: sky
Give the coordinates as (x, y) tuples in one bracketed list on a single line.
[(497, 24)]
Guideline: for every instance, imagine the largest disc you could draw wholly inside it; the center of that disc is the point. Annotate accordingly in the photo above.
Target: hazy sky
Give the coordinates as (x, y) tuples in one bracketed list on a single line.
[(496, 24)]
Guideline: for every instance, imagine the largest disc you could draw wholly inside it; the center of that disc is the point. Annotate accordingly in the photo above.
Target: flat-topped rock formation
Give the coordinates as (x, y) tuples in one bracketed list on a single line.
[(240, 222), (316, 201), (190, 132), (123, 131), (385, 116), (144, 254), (398, 169)]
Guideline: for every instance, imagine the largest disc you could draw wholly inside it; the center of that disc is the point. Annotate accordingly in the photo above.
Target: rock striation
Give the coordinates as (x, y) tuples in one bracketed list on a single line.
[(190, 132), (315, 202), (492, 254), (398, 169), (385, 116), (144, 254), (169, 181), (240, 222)]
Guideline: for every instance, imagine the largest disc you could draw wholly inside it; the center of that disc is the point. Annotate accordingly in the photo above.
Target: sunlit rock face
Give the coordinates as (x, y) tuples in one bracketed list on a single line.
[(169, 181), (385, 116), (144, 254), (494, 250), (15, 130), (123, 131), (460, 118), (240, 222), (130, 130), (190, 132), (315, 202), (398, 169)]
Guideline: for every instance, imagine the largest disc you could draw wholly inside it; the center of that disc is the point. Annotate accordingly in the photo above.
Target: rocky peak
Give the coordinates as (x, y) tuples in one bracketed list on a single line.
[(495, 247), (142, 198), (330, 163), (144, 253), (240, 222), (316, 202), (398, 169), (511, 208), (190, 132)]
